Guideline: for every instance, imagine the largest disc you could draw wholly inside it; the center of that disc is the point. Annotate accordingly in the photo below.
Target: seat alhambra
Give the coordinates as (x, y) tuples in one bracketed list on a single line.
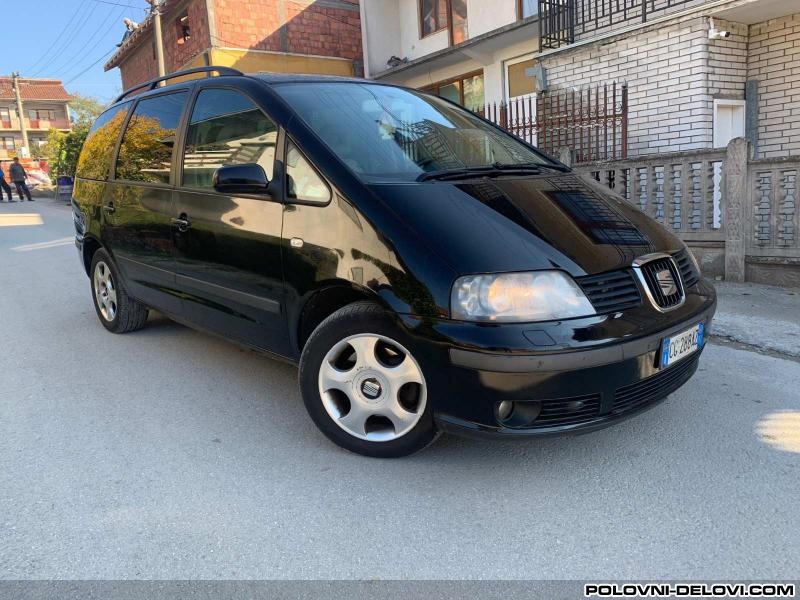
[(425, 269)]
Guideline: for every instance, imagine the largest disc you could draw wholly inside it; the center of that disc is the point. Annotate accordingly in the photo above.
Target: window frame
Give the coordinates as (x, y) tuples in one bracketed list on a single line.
[(421, 22), (179, 136), (277, 170), (520, 16), (434, 87), (507, 80)]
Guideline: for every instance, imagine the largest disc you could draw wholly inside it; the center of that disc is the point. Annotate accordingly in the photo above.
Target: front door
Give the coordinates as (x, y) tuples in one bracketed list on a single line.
[(137, 207), (228, 248)]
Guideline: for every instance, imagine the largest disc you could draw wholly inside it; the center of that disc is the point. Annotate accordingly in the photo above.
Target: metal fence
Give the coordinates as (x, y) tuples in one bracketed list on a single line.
[(592, 121), (562, 21)]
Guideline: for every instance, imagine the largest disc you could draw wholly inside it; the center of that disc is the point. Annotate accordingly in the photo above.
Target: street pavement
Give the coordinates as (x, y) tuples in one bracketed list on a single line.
[(168, 453)]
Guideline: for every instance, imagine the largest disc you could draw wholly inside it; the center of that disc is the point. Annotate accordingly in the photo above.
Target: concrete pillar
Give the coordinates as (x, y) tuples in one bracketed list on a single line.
[(734, 205)]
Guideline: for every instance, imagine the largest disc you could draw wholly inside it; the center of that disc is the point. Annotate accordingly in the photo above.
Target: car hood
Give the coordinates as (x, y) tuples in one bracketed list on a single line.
[(526, 223)]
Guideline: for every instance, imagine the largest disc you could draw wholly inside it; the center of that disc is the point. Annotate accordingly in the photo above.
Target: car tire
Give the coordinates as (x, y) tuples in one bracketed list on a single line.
[(117, 311), (362, 385)]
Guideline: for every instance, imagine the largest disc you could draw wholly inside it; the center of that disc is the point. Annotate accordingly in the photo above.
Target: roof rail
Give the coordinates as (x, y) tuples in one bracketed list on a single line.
[(153, 83)]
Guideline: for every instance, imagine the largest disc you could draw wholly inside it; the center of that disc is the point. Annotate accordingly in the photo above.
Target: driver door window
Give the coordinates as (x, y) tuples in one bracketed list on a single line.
[(226, 128)]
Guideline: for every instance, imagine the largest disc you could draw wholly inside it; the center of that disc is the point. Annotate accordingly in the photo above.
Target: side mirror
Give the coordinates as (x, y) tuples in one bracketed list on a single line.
[(248, 178)]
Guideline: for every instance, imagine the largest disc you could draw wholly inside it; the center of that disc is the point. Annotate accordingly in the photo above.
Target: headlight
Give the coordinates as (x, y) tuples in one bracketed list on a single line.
[(534, 296)]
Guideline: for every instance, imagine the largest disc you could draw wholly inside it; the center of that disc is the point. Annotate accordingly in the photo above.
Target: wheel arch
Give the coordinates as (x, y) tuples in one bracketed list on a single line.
[(326, 300), (89, 246)]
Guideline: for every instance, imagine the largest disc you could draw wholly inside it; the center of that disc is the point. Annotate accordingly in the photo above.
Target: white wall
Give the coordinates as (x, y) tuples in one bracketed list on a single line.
[(380, 33), (493, 70), (411, 45), (487, 15), (391, 28)]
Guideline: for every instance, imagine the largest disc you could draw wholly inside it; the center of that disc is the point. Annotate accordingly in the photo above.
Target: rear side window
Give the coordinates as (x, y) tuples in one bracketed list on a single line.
[(226, 128), (146, 150), (95, 158)]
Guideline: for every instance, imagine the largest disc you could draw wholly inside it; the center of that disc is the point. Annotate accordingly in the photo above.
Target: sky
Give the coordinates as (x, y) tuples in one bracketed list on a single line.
[(67, 39)]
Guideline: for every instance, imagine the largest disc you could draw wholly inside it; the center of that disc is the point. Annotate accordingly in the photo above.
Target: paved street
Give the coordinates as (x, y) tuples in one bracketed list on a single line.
[(169, 453)]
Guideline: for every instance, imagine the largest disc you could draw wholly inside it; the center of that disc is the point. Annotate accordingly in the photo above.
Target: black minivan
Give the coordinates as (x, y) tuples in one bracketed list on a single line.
[(427, 270)]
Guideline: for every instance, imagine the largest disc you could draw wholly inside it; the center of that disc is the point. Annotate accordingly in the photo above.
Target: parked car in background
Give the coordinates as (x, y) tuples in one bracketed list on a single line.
[(427, 271)]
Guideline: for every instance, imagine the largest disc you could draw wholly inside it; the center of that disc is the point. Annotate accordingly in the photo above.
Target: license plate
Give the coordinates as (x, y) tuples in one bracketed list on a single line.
[(681, 345)]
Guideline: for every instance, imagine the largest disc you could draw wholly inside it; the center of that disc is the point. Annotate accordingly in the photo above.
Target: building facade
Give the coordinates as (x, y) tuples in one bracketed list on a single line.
[(45, 106), (697, 73), (300, 36)]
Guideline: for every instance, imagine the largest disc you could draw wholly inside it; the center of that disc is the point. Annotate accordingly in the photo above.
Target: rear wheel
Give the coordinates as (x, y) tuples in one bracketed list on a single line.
[(362, 385), (118, 312)]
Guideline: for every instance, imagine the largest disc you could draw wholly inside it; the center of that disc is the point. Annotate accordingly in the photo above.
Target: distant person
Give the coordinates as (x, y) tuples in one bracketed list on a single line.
[(130, 27), (4, 185), (18, 176)]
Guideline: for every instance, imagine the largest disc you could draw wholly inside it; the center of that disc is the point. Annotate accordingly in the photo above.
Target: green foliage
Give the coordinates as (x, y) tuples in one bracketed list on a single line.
[(63, 149), (85, 109)]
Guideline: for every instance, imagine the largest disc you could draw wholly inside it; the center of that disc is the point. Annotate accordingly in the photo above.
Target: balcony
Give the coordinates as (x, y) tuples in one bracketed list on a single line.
[(34, 124), (45, 125), (563, 22)]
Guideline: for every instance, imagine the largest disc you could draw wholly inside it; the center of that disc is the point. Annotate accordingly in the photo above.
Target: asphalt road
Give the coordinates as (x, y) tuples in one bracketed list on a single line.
[(168, 453)]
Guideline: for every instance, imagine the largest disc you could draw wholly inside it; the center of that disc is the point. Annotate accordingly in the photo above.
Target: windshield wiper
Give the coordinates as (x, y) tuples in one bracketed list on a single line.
[(534, 165), (483, 171)]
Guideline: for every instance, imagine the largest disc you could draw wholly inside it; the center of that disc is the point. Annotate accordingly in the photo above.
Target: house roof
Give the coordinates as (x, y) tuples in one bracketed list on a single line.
[(34, 89), (140, 33)]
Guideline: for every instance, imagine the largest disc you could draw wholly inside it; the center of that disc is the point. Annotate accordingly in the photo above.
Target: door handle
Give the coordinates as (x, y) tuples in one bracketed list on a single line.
[(181, 223), (109, 208)]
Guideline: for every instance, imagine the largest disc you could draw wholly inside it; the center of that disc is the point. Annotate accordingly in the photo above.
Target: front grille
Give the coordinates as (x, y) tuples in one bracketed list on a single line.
[(666, 294), (611, 292), (686, 267), (568, 411), (654, 387)]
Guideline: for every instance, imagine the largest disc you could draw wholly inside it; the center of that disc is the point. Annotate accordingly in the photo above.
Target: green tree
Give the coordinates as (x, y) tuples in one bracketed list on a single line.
[(63, 149), (85, 109)]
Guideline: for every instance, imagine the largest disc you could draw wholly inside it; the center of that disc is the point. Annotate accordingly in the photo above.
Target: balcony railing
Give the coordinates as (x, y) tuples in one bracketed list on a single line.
[(564, 21), (48, 124), (35, 124)]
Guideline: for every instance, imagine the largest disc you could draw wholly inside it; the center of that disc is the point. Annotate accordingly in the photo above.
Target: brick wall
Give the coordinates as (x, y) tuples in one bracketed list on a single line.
[(140, 65), (775, 63), (316, 27), (673, 72), (323, 28)]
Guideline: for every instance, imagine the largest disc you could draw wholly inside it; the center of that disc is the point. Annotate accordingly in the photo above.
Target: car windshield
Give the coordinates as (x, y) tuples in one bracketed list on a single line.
[(389, 134)]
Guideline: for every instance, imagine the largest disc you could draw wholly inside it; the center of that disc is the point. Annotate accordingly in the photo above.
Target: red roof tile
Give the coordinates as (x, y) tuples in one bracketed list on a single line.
[(34, 89)]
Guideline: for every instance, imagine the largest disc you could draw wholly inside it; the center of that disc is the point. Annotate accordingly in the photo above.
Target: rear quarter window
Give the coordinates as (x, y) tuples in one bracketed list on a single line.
[(98, 148)]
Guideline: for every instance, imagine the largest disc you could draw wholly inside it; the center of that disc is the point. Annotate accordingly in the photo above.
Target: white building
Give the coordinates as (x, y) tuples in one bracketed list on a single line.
[(699, 72)]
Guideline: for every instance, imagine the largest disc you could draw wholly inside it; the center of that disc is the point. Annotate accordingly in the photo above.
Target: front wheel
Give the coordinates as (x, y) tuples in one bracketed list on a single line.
[(362, 385)]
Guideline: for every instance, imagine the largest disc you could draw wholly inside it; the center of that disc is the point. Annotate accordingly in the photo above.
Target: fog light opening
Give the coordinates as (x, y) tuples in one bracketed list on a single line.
[(504, 410)]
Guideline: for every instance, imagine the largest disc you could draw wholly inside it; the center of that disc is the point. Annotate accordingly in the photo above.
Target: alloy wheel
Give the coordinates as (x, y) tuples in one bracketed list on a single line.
[(104, 291), (372, 387)]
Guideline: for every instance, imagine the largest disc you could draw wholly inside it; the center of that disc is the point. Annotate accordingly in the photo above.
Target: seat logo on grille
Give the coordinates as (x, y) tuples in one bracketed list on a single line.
[(666, 282)]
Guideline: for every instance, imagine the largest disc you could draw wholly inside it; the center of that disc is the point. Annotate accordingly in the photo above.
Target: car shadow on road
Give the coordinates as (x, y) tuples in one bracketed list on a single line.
[(272, 413)]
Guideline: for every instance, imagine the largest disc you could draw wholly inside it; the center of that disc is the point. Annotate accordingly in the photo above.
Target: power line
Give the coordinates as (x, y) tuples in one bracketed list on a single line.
[(69, 35), (58, 37), (99, 33), (121, 4), (91, 66)]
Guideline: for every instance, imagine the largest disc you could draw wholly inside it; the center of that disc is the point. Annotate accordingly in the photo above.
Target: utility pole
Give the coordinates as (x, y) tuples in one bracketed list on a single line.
[(159, 39), (20, 113)]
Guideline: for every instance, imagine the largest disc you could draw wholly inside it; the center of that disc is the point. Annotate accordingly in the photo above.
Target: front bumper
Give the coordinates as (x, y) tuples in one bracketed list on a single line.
[(588, 373)]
